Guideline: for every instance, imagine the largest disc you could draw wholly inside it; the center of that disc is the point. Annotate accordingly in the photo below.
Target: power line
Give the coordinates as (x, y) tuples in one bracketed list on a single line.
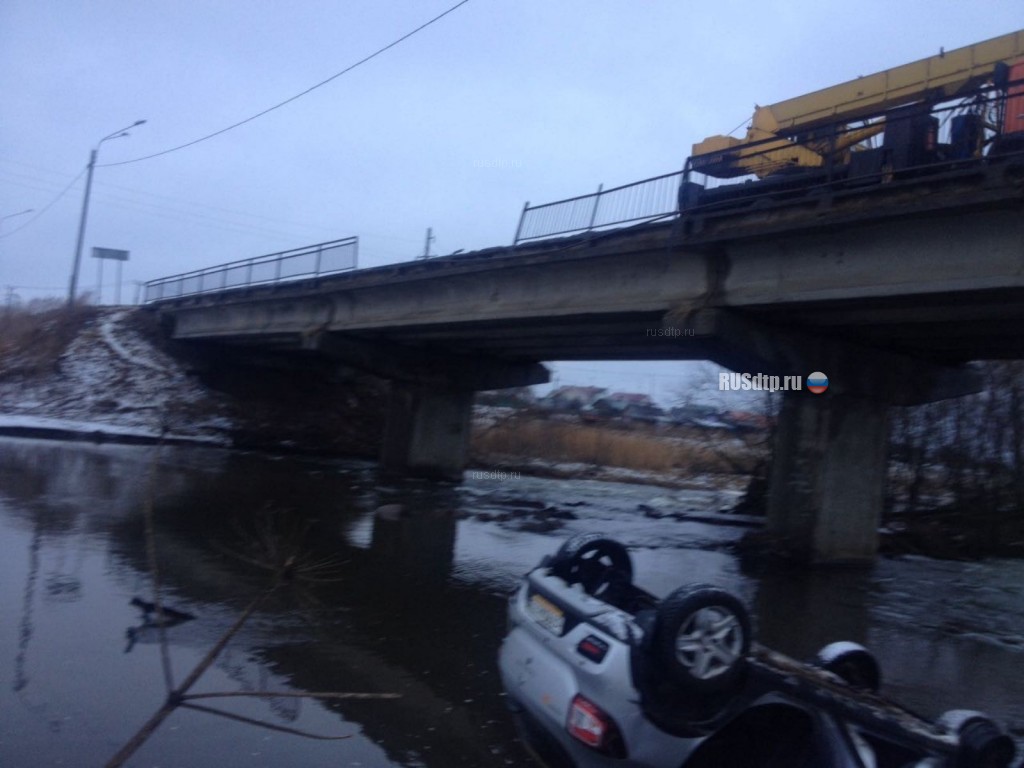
[(202, 216), (50, 185), (165, 211), (46, 207), (194, 217), (322, 83)]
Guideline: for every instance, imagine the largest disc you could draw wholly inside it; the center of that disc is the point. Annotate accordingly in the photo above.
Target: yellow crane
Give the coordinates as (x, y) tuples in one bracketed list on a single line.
[(821, 128)]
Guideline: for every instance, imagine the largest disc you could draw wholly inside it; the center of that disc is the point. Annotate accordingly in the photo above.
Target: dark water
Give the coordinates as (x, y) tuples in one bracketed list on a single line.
[(414, 605)]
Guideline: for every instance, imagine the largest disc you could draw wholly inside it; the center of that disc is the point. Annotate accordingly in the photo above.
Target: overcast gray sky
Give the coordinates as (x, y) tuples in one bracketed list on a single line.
[(500, 102)]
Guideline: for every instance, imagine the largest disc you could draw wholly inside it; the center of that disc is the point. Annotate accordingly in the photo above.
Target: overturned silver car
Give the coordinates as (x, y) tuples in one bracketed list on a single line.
[(599, 672)]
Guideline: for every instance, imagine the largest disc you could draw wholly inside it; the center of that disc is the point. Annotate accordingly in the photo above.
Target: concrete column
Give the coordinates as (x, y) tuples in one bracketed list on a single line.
[(427, 431), (828, 480)]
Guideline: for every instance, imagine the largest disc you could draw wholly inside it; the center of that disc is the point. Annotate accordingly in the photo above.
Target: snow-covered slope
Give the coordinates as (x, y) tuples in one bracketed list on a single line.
[(112, 380)]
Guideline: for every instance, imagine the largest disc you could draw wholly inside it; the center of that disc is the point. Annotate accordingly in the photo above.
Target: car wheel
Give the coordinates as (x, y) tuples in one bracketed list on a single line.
[(852, 663), (598, 564), (981, 743), (701, 639)]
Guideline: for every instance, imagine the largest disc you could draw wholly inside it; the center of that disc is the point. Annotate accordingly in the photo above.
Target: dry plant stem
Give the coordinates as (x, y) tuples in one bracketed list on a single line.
[(263, 723), (178, 697), (174, 698), (290, 694)]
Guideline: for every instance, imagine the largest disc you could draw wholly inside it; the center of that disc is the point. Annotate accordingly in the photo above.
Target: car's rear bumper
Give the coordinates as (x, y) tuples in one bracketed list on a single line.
[(536, 679), (540, 742)]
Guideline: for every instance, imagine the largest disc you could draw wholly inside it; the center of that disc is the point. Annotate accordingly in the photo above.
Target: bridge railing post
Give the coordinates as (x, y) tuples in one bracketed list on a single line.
[(597, 202), (522, 218), (316, 266)]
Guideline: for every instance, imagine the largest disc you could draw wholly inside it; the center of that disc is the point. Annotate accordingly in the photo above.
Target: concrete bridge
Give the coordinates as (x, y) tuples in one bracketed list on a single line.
[(889, 290)]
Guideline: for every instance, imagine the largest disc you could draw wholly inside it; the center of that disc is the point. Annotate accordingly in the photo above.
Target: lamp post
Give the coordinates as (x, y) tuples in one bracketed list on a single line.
[(85, 208)]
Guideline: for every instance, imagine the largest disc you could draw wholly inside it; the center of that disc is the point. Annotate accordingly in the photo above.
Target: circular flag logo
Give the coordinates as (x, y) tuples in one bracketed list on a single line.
[(817, 382)]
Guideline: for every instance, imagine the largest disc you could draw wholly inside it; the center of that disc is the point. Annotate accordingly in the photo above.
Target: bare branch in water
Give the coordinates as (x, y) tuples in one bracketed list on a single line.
[(263, 723), (279, 551), (290, 694)]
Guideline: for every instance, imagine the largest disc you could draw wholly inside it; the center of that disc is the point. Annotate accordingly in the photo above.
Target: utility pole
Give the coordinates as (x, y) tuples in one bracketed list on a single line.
[(426, 247), (73, 287)]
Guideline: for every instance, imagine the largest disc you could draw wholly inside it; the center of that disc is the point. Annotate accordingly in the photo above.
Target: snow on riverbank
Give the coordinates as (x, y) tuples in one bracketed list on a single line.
[(112, 381)]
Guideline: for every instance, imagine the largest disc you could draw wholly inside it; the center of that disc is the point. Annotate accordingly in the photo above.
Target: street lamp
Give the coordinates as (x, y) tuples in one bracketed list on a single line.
[(85, 208)]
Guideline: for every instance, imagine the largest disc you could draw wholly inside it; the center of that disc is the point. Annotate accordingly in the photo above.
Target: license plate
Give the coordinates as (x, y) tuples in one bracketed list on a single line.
[(547, 614)]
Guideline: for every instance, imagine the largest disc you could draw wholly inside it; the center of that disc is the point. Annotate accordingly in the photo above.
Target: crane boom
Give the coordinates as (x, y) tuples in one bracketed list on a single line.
[(936, 78), (769, 144)]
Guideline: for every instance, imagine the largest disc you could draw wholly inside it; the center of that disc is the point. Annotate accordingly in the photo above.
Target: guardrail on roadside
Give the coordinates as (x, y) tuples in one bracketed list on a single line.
[(297, 264), (644, 200)]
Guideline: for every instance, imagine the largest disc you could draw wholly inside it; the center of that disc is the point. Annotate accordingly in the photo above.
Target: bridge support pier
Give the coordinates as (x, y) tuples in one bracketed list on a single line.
[(429, 416), (827, 486), (828, 478), (427, 430)]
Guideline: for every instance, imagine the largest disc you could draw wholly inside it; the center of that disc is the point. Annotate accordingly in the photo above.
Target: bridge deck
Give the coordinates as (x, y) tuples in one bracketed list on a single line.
[(930, 267)]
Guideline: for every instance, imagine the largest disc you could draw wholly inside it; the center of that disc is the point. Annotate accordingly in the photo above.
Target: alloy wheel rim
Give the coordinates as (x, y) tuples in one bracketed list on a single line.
[(709, 642)]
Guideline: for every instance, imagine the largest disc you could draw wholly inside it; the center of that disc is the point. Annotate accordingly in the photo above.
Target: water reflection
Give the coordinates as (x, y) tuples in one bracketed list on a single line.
[(415, 543), (826, 606), (411, 601), (25, 627), (384, 624)]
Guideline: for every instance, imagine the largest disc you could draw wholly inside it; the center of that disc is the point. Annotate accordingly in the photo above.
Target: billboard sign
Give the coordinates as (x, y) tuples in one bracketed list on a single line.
[(109, 253)]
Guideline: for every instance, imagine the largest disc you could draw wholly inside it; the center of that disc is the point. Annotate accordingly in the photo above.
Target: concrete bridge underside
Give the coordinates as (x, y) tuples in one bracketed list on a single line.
[(889, 294)]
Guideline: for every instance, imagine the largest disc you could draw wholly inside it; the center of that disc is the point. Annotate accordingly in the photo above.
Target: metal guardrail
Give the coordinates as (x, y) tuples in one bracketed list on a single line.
[(640, 201), (299, 263), (963, 135)]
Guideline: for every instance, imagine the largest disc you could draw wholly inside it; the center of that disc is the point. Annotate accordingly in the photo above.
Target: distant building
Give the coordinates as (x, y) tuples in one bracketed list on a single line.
[(702, 416), (572, 398), (616, 403), (514, 397)]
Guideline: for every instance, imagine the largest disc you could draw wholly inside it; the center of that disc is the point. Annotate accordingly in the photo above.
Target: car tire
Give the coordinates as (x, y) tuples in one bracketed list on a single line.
[(701, 639), (980, 742), (598, 563), (852, 663)]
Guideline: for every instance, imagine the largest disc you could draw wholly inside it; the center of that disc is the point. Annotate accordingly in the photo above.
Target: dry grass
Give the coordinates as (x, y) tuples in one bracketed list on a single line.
[(31, 342), (606, 446)]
